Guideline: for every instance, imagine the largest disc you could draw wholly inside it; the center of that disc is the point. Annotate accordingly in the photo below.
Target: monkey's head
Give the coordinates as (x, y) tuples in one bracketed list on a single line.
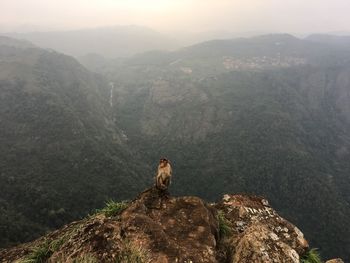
[(163, 162)]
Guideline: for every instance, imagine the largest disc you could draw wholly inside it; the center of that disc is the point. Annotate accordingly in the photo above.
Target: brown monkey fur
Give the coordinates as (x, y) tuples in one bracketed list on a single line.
[(163, 176)]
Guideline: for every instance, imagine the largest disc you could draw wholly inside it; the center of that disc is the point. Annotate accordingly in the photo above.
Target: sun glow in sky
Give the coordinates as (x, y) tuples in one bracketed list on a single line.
[(189, 15), (148, 5)]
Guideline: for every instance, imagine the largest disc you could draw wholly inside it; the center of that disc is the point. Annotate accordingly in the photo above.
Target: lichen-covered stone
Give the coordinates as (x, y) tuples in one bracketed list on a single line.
[(259, 234), (336, 260)]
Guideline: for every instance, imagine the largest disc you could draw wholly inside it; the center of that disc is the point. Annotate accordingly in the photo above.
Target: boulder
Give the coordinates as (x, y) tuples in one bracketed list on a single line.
[(258, 233), (336, 260)]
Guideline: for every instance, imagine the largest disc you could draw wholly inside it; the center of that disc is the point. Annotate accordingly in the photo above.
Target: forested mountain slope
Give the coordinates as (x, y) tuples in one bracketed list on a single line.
[(339, 41), (61, 153)]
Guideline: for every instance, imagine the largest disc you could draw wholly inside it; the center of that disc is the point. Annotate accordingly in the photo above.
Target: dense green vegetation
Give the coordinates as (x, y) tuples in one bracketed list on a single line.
[(61, 154)]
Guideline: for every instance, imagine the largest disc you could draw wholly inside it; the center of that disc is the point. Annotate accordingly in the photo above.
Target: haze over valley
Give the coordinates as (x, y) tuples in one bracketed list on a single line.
[(87, 109)]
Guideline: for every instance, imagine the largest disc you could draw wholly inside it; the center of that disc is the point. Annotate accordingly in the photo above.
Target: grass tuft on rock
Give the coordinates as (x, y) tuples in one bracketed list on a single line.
[(44, 251), (113, 208), (87, 258), (312, 256), (39, 254), (56, 244), (132, 254), (224, 224)]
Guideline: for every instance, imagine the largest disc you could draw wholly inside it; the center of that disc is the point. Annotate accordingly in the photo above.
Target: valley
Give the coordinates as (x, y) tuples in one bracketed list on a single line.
[(267, 115)]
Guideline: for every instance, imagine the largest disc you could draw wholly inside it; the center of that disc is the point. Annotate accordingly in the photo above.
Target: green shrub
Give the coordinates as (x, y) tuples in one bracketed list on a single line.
[(113, 208), (312, 256), (224, 224)]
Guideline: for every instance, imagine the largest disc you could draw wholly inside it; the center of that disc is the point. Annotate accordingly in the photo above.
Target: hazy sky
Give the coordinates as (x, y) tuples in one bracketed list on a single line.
[(189, 15)]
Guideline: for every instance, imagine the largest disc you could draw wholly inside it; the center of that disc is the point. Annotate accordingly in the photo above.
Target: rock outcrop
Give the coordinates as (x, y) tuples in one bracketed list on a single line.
[(336, 260), (159, 228), (258, 233)]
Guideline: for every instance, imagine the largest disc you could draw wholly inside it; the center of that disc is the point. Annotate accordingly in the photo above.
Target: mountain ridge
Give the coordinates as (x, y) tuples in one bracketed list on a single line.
[(109, 42)]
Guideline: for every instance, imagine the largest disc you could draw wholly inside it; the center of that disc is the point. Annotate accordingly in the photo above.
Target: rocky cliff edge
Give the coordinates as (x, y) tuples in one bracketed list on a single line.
[(156, 227)]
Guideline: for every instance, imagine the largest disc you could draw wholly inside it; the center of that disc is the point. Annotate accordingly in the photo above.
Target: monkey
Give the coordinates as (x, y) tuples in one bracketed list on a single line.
[(163, 176)]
